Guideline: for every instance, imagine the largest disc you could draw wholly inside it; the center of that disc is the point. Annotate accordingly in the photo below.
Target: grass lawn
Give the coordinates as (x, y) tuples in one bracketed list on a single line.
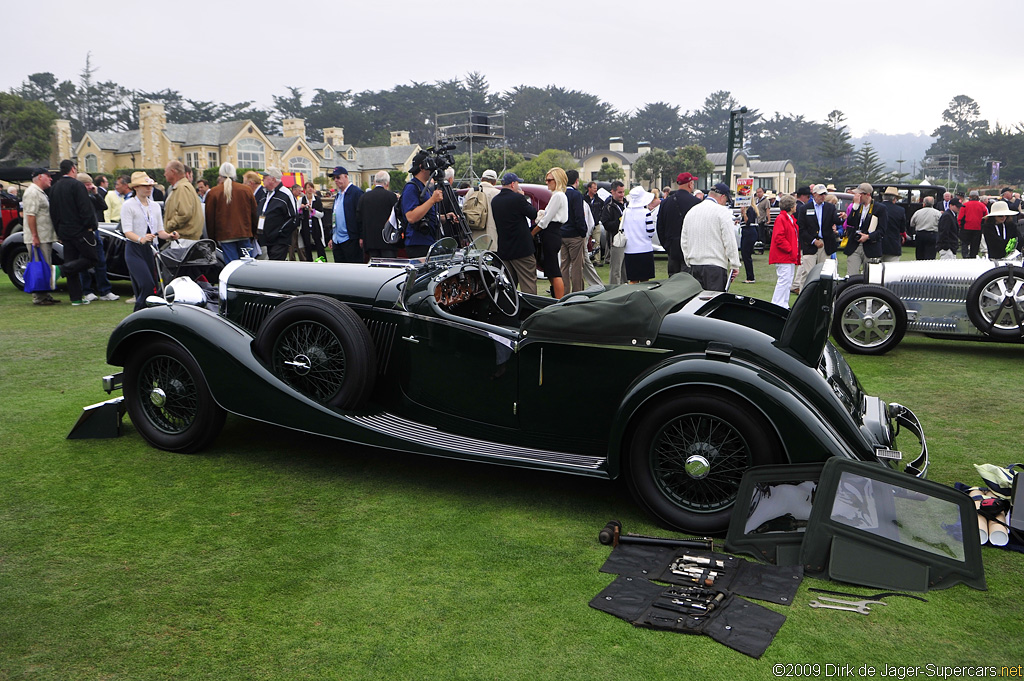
[(278, 555)]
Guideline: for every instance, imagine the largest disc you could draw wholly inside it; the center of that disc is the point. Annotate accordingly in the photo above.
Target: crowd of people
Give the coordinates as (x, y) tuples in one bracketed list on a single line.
[(577, 231)]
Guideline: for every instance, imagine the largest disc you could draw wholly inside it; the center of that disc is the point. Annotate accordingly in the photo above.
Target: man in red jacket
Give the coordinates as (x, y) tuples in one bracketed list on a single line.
[(970, 217)]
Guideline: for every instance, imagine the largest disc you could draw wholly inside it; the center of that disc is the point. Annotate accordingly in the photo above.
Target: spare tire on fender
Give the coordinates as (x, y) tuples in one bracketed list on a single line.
[(320, 348)]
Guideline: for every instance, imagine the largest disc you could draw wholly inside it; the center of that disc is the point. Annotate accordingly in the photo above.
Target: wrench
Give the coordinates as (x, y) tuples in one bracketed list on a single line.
[(852, 606)]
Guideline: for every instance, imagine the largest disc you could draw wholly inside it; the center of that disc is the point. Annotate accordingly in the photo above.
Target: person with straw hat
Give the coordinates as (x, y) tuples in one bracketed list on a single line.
[(639, 227), (142, 222), (999, 231)]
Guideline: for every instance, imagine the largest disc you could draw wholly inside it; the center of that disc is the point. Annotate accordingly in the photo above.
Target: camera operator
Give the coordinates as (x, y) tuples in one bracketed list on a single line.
[(420, 208)]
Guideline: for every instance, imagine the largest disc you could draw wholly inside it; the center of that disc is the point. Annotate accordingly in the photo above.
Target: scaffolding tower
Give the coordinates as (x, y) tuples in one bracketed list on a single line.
[(476, 130), (943, 164)]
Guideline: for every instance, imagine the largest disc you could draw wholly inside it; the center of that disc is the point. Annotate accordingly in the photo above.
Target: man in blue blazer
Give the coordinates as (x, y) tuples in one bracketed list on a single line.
[(816, 220), (347, 237)]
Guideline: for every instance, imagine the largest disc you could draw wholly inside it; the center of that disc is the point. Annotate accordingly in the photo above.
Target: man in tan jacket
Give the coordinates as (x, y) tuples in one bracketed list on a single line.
[(183, 211)]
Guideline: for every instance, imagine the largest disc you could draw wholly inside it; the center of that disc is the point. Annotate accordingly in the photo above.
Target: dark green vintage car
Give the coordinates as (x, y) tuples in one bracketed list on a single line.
[(675, 390)]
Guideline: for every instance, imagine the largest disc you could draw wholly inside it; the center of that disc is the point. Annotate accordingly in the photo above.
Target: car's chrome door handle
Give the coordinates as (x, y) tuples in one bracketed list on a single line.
[(411, 339)]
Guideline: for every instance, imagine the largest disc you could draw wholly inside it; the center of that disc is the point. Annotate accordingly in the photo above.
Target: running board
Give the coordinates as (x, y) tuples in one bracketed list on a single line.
[(412, 431)]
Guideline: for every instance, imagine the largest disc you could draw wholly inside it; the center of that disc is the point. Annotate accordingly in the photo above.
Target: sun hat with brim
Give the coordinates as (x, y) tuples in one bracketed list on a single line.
[(1001, 208), (140, 179), (639, 198), (891, 191)]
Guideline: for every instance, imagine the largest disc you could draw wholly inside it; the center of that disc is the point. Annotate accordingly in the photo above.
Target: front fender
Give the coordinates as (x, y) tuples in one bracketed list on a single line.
[(804, 432)]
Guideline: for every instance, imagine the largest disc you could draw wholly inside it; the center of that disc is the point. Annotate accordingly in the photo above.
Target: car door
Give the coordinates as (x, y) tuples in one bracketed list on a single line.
[(462, 370)]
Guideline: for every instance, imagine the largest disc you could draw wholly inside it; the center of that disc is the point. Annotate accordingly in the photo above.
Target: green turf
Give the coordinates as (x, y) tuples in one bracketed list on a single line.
[(277, 555)]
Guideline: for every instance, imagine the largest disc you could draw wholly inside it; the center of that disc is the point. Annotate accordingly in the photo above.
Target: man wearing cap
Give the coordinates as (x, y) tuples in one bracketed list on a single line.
[(420, 208), (895, 226), (75, 221), (803, 195), (276, 214), (183, 212), (373, 212), (948, 241), (671, 214), (969, 218), (487, 185), (708, 241), (39, 226), (816, 229), (513, 213), (925, 224), (867, 223), (347, 237)]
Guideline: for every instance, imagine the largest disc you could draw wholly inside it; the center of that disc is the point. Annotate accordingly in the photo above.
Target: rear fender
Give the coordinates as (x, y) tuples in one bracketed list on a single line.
[(807, 436)]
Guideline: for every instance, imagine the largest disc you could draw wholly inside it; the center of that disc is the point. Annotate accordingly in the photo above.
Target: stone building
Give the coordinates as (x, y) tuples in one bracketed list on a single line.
[(242, 143)]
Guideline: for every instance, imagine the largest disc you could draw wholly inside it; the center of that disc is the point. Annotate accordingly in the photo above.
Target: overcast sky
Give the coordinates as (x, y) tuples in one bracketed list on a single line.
[(889, 66)]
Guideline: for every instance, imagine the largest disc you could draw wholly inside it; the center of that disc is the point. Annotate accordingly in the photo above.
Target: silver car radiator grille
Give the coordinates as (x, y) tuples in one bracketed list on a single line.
[(383, 334), (931, 289), (396, 426)]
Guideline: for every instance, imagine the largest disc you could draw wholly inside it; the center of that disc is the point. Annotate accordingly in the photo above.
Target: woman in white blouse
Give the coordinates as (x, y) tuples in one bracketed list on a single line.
[(142, 222), (549, 224), (638, 226)]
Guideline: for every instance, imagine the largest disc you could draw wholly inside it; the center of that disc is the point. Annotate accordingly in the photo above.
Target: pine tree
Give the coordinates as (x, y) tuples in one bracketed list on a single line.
[(834, 151), (868, 166)]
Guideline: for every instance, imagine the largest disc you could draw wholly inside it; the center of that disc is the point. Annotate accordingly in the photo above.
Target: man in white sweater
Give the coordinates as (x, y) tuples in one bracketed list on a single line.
[(708, 240)]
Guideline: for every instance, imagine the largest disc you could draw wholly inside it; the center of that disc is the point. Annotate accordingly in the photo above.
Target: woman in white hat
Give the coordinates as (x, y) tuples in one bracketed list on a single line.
[(997, 230), (142, 222), (638, 226)]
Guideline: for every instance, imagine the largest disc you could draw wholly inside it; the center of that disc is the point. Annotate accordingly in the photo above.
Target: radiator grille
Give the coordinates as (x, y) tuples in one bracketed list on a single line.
[(932, 289), (253, 315)]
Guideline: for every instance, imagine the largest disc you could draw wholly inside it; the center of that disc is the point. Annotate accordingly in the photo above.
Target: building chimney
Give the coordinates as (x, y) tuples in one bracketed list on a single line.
[(152, 123), (294, 127), (60, 145), (615, 144), (334, 137), (400, 138), (643, 148)]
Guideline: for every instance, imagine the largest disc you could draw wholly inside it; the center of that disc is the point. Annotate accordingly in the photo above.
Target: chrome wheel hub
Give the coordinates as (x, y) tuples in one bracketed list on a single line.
[(158, 397), (697, 467)]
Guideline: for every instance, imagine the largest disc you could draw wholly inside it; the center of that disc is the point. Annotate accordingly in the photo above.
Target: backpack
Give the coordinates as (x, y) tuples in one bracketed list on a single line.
[(475, 209), (396, 227)]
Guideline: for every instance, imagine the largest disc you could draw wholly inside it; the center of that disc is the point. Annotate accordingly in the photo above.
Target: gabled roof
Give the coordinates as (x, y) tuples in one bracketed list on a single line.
[(719, 157), (185, 134), (629, 158), (769, 166), (369, 158)]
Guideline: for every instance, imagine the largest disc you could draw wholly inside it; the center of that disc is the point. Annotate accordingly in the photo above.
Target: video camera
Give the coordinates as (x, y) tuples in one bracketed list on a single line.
[(437, 159)]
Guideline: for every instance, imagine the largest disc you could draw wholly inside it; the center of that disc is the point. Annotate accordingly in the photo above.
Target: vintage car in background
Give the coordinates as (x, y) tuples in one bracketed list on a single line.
[(206, 260), (975, 299), (442, 356)]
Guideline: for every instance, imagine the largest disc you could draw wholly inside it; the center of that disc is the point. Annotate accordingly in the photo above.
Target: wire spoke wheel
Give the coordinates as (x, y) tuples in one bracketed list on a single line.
[(697, 461), (169, 396), (310, 358)]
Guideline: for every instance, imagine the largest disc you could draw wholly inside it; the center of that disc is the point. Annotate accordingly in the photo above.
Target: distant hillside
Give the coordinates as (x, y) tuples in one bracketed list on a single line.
[(908, 146)]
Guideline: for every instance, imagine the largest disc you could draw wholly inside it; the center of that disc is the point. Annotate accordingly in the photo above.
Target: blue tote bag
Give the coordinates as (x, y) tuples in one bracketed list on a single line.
[(38, 273)]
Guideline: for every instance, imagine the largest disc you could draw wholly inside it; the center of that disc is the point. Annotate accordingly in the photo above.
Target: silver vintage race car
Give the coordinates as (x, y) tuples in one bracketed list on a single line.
[(958, 299)]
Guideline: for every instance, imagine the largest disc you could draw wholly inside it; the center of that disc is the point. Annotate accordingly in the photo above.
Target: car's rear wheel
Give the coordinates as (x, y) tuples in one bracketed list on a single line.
[(995, 303), (168, 399), (868, 320), (688, 455), (320, 348), (16, 266)]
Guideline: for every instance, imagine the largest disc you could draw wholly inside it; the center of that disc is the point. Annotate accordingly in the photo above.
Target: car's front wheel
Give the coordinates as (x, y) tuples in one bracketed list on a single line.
[(868, 320), (688, 455), (168, 399), (995, 303)]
